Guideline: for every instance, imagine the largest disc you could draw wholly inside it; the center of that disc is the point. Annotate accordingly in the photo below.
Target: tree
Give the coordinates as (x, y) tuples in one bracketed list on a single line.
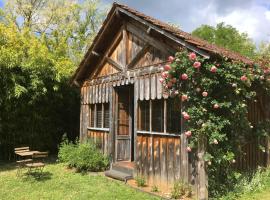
[(41, 43), (227, 36)]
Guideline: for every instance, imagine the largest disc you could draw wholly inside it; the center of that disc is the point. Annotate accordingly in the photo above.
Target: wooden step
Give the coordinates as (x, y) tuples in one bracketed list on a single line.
[(118, 175)]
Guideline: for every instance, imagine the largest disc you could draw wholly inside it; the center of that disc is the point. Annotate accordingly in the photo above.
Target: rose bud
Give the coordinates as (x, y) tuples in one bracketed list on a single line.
[(184, 76), (243, 78), (205, 94), (197, 65), (167, 67), (216, 106), (184, 97), (213, 69), (170, 58), (215, 141), (192, 56)]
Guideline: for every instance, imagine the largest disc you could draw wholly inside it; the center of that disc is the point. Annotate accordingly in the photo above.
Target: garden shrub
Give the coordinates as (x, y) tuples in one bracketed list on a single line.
[(83, 156), (140, 181)]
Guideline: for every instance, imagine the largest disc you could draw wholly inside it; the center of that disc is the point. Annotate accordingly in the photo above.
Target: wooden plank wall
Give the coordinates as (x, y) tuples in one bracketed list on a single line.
[(158, 158), (101, 138)]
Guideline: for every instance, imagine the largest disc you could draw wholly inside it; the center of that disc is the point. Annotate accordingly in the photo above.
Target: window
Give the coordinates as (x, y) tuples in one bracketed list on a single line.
[(159, 111), (106, 116), (158, 115), (92, 115), (99, 115), (173, 116), (144, 116)]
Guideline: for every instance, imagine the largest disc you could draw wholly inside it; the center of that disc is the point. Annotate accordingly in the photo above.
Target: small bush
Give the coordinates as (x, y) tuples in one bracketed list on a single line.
[(154, 188), (83, 156), (180, 190), (140, 180)]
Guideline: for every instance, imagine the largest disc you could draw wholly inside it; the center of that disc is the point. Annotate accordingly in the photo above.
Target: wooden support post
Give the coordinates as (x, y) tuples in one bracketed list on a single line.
[(202, 185), (267, 151)]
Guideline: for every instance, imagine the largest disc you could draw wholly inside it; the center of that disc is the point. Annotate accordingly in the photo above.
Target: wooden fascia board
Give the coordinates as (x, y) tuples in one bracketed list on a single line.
[(168, 35)]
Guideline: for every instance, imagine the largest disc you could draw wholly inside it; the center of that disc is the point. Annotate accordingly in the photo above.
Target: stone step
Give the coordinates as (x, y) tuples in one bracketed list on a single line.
[(118, 175), (123, 169)]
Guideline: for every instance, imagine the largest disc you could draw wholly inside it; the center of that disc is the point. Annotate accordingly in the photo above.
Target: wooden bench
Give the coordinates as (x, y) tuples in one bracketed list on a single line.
[(37, 165)]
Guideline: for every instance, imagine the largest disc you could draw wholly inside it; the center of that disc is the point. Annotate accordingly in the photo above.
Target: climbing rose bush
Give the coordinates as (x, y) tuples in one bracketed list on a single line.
[(214, 97)]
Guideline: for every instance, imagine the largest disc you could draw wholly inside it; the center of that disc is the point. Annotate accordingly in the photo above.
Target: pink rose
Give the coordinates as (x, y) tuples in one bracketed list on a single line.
[(266, 71), (196, 65), (186, 116), (188, 133), (205, 94), (188, 149), (167, 67), (164, 74), (243, 78), (213, 69), (161, 80), (170, 58), (216, 106), (184, 76), (192, 56), (174, 80), (184, 97)]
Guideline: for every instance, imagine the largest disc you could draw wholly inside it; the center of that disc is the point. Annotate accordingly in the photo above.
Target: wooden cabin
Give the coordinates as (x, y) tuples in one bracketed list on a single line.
[(123, 107)]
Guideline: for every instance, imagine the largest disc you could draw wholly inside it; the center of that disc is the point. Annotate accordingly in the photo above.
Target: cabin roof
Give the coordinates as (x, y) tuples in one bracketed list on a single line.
[(186, 39)]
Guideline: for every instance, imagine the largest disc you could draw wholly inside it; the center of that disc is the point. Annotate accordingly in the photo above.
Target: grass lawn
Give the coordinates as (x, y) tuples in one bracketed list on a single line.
[(60, 183)]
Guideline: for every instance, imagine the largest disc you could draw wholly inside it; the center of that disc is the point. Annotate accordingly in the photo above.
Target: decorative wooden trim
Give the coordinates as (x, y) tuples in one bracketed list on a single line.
[(114, 64), (98, 129), (168, 35), (158, 133), (138, 56)]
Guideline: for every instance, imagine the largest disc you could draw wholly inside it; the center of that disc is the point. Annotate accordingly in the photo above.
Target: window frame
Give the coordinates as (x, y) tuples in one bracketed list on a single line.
[(102, 128), (165, 118)]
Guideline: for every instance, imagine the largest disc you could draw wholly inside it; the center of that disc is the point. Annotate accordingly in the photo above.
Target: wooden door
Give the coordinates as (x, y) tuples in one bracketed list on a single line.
[(124, 130)]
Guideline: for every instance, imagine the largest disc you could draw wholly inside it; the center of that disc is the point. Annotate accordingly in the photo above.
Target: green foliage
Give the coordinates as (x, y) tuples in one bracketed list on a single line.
[(181, 190), (228, 37), (83, 156), (41, 44), (140, 181), (218, 93), (248, 184), (154, 188)]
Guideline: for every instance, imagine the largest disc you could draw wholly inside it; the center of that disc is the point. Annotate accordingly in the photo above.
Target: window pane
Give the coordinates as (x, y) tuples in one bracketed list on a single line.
[(143, 116), (92, 115), (158, 116), (106, 116), (173, 116), (99, 115)]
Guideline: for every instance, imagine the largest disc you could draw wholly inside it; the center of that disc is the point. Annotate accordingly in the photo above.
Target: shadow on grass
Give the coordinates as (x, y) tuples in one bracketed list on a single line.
[(37, 176)]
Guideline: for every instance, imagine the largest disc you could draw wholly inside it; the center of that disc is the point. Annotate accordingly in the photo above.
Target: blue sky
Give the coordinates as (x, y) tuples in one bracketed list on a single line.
[(250, 16)]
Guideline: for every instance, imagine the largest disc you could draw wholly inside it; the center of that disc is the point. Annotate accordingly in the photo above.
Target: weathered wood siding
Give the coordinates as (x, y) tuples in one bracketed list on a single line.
[(159, 158), (101, 138)]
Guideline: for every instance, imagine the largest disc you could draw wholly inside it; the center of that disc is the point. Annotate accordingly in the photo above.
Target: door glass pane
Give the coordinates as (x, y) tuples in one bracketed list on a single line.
[(123, 113)]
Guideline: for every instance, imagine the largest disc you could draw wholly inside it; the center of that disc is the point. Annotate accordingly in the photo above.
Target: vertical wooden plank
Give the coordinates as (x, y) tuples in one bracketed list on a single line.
[(141, 88), (94, 94), (150, 159), (139, 155), (157, 159), (90, 94), (163, 161), (107, 93), (111, 131), (135, 116), (184, 159), (202, 175), (170, 159), (99, 93), (147, 87), (144, 156), (153, 87), (103, 93), (177, 158), (159, 88), (81, 123)]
